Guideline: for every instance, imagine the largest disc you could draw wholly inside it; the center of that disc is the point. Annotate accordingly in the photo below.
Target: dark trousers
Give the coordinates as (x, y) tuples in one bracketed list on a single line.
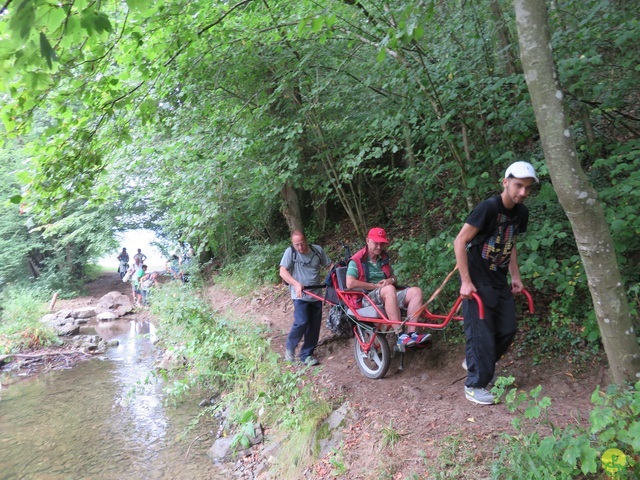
[(488, 339), (307, 319)]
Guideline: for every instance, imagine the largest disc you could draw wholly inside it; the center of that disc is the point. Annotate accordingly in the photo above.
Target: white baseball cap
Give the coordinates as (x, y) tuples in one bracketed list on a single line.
[(521, 170)]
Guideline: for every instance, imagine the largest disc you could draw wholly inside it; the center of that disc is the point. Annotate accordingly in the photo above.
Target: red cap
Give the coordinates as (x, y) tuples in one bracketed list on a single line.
[(378, 235)]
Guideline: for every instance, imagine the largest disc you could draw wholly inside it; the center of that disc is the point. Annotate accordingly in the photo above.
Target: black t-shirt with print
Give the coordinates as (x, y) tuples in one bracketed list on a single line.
[(499, 227)]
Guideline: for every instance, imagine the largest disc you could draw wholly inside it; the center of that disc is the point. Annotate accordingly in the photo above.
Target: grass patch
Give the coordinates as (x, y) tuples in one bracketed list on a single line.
[(258, 267), (20, 326), (457, 459), (91, 271), (390, 436)]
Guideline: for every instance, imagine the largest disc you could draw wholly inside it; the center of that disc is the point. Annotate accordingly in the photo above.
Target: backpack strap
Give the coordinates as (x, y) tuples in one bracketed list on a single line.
[(294, 254)]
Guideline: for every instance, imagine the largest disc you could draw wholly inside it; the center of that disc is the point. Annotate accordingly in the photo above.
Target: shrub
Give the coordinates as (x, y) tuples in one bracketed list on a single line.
[(609, 445)]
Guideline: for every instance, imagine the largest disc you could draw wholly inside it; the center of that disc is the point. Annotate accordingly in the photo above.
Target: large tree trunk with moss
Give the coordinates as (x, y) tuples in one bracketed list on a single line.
[(577, 196)]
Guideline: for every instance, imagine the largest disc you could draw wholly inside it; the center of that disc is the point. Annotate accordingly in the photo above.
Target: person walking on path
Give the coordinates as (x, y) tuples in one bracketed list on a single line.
[(485, 250), (300, 266), (124, 262), (370, 269), (139, 258)]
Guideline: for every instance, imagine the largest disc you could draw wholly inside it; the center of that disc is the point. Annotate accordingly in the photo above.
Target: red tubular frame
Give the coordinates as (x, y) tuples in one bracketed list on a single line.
[(434, 321)]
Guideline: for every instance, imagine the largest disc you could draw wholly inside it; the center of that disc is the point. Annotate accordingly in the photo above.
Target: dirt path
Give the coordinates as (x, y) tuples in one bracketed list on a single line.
[(424, 403)]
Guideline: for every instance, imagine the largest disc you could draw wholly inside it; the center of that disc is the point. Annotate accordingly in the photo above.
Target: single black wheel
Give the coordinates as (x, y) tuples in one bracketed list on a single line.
[(375, 363)]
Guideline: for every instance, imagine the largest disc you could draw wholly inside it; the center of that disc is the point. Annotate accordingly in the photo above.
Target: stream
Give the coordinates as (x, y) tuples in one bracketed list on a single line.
[(105, 418)]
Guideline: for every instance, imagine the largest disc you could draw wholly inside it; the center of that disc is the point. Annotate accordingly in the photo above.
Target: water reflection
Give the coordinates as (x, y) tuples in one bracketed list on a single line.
[(103, 419)]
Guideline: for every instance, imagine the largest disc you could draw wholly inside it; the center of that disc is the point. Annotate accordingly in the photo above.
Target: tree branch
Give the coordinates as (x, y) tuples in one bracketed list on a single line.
[(5, 6)]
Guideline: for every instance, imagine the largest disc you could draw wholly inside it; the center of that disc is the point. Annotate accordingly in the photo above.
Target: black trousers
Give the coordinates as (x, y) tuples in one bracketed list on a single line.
[(488, 339)]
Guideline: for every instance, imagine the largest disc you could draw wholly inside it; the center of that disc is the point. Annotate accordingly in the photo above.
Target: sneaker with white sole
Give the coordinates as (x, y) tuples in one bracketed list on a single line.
[(289, 356), (405, 341), (311, 361), (479, 395)]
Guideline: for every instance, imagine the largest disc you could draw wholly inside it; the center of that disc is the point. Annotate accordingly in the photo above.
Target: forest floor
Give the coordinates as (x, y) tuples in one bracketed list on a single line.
[(438, 429)]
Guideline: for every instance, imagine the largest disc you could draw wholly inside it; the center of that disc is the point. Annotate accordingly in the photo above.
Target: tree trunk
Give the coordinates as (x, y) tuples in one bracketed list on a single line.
[(291, 208), (577, 197), (504, 38)]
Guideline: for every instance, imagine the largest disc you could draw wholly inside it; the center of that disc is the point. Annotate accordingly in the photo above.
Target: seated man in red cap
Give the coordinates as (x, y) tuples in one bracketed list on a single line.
[(370, 269)]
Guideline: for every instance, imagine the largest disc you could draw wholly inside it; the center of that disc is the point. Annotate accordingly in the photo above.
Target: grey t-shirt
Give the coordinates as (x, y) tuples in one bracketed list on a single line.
[(305, 268)]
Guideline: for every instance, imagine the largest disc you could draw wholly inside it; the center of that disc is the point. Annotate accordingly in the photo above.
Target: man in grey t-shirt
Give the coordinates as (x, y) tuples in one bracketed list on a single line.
[(300, 266)]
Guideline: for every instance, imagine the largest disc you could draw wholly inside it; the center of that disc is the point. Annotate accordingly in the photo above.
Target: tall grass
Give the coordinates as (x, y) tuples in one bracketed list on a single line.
[(20, 327), (233, 355)]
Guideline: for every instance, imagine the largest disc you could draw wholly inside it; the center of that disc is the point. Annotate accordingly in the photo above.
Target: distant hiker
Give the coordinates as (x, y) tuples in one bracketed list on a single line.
[(173, 267), (299, 267), (185, 263), (146, 282), (370, 269), (485, 251), (137, 287), (124, 262), (139, 257)]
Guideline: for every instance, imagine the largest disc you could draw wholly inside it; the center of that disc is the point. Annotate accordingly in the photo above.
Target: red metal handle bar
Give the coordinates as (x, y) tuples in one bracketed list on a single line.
[(526, 293)]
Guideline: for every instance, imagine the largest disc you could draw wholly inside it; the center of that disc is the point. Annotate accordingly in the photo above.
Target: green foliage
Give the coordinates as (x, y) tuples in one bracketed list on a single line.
[(574, 451), (234, 356), (20, 327), (258, 267), (336, 460)]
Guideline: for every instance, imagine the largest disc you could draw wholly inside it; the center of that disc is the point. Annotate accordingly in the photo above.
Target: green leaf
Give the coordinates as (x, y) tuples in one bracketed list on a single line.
[(16, 199), (532, 412), (136, 4), (102, 23), (381, 55), (23, 19), (316, 24), (46, 50)]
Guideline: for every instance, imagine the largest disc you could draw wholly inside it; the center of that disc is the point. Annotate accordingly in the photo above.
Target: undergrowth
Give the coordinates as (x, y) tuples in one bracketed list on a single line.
[(233, 356), (607, 446), (20, 326)]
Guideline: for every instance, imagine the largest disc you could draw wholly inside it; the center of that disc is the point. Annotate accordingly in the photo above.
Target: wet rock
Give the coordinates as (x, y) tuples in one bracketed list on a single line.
[(220, 451), (49, 318), (258, 437), (67, 329), (207, 402), (171, 361), (329, 435), (81, 321), (85, 312), (64, 313), (106, 316), (116, 303)]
